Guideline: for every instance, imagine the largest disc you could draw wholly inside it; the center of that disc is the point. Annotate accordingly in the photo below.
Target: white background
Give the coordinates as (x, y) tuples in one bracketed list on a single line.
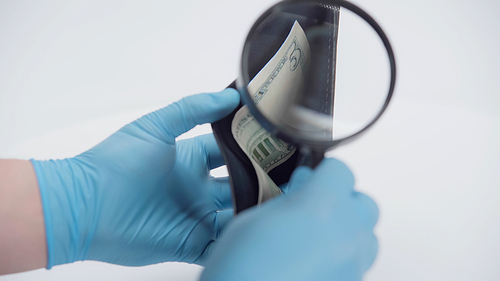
[(71, 73)]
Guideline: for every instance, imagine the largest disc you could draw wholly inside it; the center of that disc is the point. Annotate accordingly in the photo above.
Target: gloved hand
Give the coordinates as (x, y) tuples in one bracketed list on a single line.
[(321, 230), (139, 197)]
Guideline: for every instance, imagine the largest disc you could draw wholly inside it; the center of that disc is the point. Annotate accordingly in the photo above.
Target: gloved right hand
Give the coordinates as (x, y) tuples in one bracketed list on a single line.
[(321, 230)]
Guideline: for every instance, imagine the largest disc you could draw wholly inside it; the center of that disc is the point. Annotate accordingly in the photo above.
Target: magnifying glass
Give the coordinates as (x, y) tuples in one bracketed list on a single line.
[(314, 75)]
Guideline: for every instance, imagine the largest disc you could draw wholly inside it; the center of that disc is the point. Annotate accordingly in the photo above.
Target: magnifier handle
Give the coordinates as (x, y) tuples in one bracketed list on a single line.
[(310, 158)]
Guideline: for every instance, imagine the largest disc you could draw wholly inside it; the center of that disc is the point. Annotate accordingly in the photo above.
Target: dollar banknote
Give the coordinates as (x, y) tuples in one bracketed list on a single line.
[(270, 90)]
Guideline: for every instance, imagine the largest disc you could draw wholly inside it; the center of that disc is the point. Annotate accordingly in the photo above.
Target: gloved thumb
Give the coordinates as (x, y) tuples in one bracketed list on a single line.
[(299, 177), (190, 111)]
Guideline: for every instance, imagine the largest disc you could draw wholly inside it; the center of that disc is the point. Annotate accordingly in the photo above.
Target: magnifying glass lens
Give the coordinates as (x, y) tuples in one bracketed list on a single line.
[(315, 72)]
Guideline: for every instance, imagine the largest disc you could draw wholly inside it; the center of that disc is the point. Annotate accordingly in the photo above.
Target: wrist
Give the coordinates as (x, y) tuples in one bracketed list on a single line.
[(68, 194)]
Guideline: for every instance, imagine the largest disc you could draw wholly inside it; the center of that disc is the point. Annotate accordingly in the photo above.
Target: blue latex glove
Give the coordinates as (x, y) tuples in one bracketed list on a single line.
[(139, 197), (321, 230)]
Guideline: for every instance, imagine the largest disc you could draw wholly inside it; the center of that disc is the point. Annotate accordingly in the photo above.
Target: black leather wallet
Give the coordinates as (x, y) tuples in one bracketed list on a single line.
[(243, 179)]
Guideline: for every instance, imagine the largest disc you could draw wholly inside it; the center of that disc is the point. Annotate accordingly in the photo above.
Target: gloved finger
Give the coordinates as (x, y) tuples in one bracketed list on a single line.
[(331, 179), (202, 259), (299, 177), (370, 246), (367, 209), (222, 219), (212, 151), (190, 111), (284, 187), (221, 192)]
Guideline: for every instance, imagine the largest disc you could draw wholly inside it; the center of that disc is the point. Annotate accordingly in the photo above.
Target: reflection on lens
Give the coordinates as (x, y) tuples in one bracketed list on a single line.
[(316, 71)]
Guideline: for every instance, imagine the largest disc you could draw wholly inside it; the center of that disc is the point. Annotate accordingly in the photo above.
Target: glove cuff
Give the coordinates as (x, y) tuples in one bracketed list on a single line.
[(68, 198)]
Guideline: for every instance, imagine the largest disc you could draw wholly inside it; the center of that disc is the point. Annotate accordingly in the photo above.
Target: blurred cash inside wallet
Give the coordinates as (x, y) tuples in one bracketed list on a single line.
[(269, 89)]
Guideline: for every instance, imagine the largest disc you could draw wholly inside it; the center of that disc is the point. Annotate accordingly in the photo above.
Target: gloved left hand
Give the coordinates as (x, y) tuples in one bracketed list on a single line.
[(139, 197), (322, 230)]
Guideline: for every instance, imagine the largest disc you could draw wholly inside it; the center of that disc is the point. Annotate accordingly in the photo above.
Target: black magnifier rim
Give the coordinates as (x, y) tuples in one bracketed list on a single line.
[(316, 145)]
